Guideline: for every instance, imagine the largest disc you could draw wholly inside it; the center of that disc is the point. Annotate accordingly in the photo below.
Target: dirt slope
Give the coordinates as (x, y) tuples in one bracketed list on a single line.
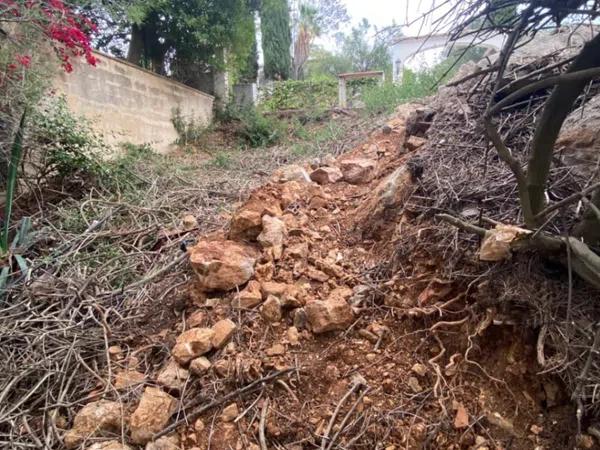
[(364, 354)]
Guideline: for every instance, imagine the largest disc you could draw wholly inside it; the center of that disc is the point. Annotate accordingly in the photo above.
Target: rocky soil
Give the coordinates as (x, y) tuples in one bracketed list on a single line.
[(297, 335)]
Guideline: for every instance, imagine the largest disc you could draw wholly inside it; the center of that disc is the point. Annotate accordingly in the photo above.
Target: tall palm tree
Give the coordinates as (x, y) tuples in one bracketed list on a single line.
[(308, 30)]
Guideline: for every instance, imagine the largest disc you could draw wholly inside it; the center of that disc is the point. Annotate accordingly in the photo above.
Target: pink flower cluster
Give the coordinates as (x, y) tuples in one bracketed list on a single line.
[(68, 31)]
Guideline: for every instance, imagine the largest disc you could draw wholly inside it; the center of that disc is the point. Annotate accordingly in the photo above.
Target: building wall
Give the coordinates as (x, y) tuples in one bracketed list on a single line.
[(129, 104)]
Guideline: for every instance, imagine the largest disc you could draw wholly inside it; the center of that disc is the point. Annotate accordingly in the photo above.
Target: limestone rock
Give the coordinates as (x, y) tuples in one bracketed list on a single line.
[(292, 172), (414, 384), (173, 376), (292, 192), (461, 420), (272, 235), (94, 419), (222, 265), (419, 369), (195, 319), (326, 175), (293, 336), (358, 170), (189, 222), (276, 350), (333, 314), (192, 343), (315, 274), (151, 415), (298, 251), (265, 271), (387, 198), (414, 142), (108, 445), (128, 378), (223, 330), (271, 309), (250, 297), (200, 365), (246, 223), (164, 443), (273, 288), (116, 351), (230, 412)]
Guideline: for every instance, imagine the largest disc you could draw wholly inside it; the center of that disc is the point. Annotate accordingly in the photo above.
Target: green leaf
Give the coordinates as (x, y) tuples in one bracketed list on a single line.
[(22, 234), (22, 264), (4, 278), (13, 170)]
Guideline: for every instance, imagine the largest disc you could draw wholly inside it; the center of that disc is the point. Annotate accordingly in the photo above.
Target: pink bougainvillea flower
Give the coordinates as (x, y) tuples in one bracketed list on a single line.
[(24, 60)]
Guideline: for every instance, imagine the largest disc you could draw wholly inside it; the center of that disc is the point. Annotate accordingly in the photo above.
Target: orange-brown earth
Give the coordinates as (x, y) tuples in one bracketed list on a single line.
[(301, 280)]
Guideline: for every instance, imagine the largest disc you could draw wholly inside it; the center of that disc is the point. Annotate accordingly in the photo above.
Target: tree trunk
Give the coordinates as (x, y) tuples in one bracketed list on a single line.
[(136, 45), (589, 228), (556, 110)]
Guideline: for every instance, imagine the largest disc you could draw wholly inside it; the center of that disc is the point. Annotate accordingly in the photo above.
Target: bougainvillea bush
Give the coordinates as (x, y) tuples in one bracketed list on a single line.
[(26, 24), (37, 38)]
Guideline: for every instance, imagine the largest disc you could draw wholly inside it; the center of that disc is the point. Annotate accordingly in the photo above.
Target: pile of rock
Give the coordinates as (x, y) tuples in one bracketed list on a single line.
[(265, 262), (157, 403)]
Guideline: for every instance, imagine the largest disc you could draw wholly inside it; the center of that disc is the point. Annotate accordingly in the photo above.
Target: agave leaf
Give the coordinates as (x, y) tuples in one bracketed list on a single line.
[(4, 278), (22, 262), (13, 171), (22, 234)]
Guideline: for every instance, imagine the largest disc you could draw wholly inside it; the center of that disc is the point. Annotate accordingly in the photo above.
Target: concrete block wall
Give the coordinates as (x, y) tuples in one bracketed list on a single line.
[(129, 104)]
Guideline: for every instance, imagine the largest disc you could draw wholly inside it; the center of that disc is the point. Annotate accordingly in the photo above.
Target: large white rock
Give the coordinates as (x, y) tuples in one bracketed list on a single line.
[(152, 414), (222, 265)]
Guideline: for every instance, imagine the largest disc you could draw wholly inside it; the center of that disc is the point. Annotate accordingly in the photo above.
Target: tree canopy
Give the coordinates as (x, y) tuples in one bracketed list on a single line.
[(276, 39), (164, 35)]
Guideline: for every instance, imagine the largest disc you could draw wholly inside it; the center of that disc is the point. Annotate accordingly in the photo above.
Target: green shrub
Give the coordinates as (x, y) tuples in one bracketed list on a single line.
[(311, 94), (221, 160), (386, 97), (61, 144), (253, 127), (190, 130)]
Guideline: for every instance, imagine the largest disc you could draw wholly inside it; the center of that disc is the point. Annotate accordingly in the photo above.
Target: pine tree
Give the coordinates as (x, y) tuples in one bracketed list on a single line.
[(276, 39)]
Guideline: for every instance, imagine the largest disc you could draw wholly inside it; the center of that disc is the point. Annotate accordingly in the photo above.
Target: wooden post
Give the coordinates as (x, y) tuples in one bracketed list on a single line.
[(343, 101)]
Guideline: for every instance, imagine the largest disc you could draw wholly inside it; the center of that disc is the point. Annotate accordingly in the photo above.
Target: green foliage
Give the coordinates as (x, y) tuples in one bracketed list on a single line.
[(252, 126), (22, 232), (310, 94), (293, 94), (190, 130), (384, 98), (258, 130), (326, 65), (13, 171), (357, 52), (222, 160), (364, 54), (65, 144), (248, 71), (276, 39), (185, 36)]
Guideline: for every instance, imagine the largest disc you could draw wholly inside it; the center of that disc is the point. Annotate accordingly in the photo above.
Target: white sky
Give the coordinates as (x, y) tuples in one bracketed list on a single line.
[(383, 13)]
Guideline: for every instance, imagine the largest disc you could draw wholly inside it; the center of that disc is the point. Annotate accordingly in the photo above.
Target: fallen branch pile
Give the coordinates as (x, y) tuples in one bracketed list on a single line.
[(468, 188)]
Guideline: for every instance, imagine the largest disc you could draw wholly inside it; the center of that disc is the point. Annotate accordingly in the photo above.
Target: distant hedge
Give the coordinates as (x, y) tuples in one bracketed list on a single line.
[(309, 94)]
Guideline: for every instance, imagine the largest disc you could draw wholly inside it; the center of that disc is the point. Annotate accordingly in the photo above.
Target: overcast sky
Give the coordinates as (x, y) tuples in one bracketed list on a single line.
[(383, 13)]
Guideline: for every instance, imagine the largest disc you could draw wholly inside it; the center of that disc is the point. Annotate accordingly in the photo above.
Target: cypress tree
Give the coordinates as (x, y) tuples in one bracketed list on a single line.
[(249, 72), (276, 39)]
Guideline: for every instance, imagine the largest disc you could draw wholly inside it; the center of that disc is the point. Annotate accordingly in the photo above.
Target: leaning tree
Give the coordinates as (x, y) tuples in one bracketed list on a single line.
[(566, 84)]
